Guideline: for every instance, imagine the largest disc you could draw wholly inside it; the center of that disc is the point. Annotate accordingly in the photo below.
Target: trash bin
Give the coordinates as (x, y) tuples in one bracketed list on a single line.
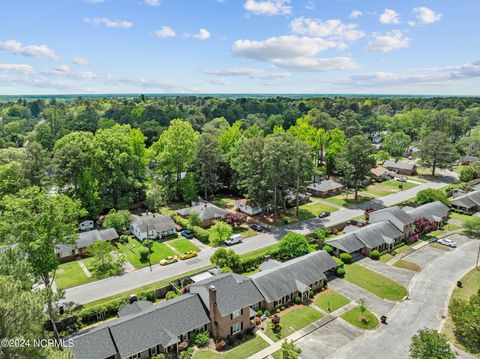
[(383, 319)]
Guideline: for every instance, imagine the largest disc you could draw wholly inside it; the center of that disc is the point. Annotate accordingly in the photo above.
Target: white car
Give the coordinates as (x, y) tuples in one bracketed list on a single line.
[(447, 242), (234, 239)]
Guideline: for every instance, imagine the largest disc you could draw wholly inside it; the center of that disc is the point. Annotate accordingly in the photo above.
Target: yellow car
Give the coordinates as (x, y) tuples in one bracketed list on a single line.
[(168, 260), (188, 255)]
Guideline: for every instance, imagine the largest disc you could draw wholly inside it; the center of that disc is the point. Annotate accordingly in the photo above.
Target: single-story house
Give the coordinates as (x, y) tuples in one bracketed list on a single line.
[(248, 207), (402, 168), (152, 226), (468, 202), (85, 240), (380, 173), (435, 211), (291, 198), (282, 282), (397, 216), (325, 188), (135, 307), (469, 160), (86, 225), (207, 212)]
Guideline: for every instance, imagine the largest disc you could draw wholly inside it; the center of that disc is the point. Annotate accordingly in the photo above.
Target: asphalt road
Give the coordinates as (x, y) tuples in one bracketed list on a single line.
[(114, 285), (428, 302)]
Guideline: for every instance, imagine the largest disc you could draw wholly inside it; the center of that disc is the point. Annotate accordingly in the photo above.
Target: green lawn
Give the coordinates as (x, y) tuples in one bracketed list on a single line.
[(224, 202), (331, 299), (70, 275), (471, 284), (245, 231), (344, 201), (407, 265), (353, 317), (258, 252), (293, 321), (183, 245), (249, 347), (132, 252), (387, 187), (305, 211), (172, 208), (460, 217), (387, 256), (374, 282)]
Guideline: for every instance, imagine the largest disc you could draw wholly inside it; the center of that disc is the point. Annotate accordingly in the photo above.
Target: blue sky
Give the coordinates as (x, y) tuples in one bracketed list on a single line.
[(240, 46)]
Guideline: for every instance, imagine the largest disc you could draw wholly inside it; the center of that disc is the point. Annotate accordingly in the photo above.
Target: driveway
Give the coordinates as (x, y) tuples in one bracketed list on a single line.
[(424, 255), (327, 339), (375, 304), (399, 275), (429, 296)]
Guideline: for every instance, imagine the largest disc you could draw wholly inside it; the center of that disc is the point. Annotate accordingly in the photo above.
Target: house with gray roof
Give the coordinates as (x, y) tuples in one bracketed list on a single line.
[(434, 211), (468, 202), (83, 242), (403, 168), (395, 215), (152, 226), (325, 188), (207, 212), (469, 160), (282, 283), (135, 307)]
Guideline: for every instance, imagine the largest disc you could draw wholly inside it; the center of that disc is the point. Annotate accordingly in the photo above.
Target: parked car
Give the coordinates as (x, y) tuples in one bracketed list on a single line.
[(233, 239), (187, 233), (169, 260), (447, 242), (324, 215), (188, 255), (256, 227)]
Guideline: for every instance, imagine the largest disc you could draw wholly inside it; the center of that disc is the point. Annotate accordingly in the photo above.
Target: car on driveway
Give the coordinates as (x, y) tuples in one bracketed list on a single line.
[(168, 260), (187, 233), (188, 255), (256, 227), (447, 242), (233, 239), (324, 215)]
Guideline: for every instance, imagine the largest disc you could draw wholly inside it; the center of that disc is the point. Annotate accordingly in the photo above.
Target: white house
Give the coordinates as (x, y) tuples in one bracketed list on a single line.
[(246, 206), (86, 225), (152, 225)]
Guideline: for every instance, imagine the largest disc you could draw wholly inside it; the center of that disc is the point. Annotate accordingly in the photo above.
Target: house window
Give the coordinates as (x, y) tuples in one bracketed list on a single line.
[(236, 313), (153, 351), (236, 328), (256, 306), (135, 356)]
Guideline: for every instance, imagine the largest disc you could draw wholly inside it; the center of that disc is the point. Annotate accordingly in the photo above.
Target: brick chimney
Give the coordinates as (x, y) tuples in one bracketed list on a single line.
[(212, 299)]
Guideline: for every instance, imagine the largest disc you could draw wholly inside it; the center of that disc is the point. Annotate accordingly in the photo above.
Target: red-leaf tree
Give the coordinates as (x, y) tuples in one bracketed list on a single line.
[(424, 225), (236, 219)]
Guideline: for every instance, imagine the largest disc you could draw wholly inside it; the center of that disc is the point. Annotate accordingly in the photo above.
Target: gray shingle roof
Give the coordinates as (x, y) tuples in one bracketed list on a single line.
[(395, 214), (269, 264), (234, 292), (153, 221), (468, 200), (325, 186), (399, 165), (159, 324), (433, 211), (205, 210), (470, 159), (347, 243), (86, 239), (293, 275), (135, 307)]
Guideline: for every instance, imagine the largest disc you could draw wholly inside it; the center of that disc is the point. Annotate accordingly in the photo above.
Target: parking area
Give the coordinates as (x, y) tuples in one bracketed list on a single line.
[(326, 340), (424, 255), (375, 304), (459, 239), (399, 275)]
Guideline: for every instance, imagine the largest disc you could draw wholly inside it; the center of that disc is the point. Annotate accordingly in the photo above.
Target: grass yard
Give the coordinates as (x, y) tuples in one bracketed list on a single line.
[(132, 252), (259, 252), (376, 283), (417, 179), (353, 317), (248, 347), (224, 202), (292, 321), (245, 231), (387, 256), (460, 217), (387, 187), (183, 245), (471, 284), (348, 201), (172, 208), (70, 275), (331, 299), (407, 265)]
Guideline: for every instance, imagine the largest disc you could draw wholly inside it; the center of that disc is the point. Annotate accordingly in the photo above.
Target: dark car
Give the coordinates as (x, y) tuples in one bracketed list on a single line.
[(187, 233), (256, 227), (324, 215)]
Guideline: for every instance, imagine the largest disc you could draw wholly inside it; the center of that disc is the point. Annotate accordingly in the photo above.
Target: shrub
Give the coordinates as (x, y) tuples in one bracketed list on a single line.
[(88, 315), (375, 255), (258, 321), (346, 258), (187, 354), (298, 300), (267, 313), (294, 245), (220, 345), (183, 222), (322, 233), (223, 257), (310, 294), (124, 238), (144, 253), (183, 346), (340, 272), (149, 295), (328, 249), (259, 312), (170, 295), (339, 262), (201, 339), (201, 234)]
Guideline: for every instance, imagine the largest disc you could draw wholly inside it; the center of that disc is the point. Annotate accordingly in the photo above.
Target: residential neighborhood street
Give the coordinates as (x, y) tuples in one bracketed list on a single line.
[(114, 285)]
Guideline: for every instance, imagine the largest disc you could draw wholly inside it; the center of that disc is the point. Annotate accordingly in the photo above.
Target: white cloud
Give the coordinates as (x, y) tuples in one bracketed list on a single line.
[(268, 7), (390, 16), (17, 68), (355, 14), (202, 34), (426, 16), (153, 2), (165, 32), (247, 72), (330, 29), (124, 24), (16, 47), (94, 2), (63, 68), (81, 61), (310, 5), (218, 82), (387, 42)]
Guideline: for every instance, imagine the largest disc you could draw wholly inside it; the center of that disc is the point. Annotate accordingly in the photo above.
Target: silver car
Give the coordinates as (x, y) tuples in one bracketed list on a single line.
[(447, 242)]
